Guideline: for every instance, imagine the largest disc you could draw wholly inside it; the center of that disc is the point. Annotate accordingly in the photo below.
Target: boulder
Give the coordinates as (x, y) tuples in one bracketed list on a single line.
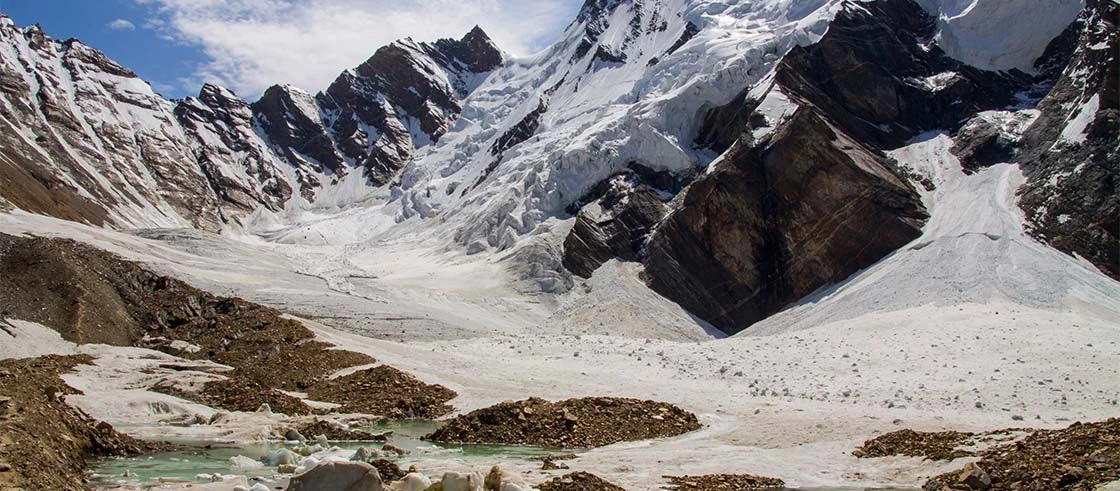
[(974, 478), (454, 481), (282, 456), (389, 447), (500, 480), (366, 454), (413, 481), (293, 435), (338, 476)]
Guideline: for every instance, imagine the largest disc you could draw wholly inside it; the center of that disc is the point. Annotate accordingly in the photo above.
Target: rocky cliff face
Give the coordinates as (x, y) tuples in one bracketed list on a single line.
[(1071, 152), (403, 97), (85, 139)]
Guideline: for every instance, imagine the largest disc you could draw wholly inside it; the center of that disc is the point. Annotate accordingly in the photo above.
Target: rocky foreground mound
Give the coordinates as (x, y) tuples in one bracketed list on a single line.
[(385, 391), (941, 445), (1080, 457), (44, 442), (578, 481), (582, 422), (722, 482)]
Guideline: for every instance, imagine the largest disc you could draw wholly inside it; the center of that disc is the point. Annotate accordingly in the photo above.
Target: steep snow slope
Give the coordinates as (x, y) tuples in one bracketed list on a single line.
[(973, 250), (1000, 34)]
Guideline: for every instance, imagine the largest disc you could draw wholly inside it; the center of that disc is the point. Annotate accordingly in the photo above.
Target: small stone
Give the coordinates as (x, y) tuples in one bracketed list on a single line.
[(287, 469), (388, 447), (5, 467), (294, 435)]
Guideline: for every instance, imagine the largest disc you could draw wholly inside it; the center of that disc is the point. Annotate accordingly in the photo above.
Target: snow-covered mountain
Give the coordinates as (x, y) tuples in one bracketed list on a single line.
[(86, 139), (741, 151)]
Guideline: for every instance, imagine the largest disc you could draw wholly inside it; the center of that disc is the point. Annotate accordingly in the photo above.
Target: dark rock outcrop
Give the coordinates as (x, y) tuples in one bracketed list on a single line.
[(808, 200), (879, 77), (1071, 153), (690, 31), (614, 226), (983, 142), (774, 221), (594, 14), (218, 112), (520, 132), (290, 118)]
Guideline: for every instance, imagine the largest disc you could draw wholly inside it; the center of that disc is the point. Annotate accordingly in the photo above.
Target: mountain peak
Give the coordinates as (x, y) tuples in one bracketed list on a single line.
[(476, 50), (595, 9), (475, 33)]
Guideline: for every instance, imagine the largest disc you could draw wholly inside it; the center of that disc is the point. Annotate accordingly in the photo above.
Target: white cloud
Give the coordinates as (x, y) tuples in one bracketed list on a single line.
[(121, 25), (252, 44)]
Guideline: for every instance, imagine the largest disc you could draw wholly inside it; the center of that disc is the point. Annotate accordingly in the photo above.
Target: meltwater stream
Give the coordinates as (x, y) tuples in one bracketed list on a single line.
[(195, 464)]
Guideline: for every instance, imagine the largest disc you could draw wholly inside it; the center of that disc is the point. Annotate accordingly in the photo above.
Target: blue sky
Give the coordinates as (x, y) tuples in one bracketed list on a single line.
[(247, 45)]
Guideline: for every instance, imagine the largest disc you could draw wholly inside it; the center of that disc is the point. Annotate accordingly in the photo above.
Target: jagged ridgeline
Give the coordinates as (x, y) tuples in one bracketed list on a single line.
[(738, 151), (85, 139)]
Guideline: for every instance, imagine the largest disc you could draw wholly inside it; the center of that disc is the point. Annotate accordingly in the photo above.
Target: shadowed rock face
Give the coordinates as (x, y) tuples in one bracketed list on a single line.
[(1071, 197), (614, 226), (877, 74), (775, 221), (219, 112), (290, 119)]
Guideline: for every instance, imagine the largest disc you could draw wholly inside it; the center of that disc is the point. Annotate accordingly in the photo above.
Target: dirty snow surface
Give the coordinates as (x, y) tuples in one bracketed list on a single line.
[(968, 327)]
